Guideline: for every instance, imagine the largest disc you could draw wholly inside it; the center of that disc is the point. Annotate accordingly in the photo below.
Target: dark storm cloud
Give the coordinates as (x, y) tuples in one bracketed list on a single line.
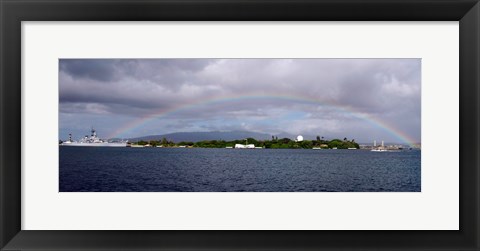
[(102, 70), (324, 91), (139, 83), (165, 72)]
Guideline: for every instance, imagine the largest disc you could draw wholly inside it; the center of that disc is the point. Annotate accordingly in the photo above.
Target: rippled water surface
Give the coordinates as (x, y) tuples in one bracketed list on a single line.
[(235, 170)]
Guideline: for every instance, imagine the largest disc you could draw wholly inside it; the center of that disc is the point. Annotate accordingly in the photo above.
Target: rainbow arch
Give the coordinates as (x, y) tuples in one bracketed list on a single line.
[(158, 114)]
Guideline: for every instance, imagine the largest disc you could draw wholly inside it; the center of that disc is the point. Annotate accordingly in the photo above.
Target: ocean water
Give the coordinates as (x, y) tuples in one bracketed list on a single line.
[(104, 169)]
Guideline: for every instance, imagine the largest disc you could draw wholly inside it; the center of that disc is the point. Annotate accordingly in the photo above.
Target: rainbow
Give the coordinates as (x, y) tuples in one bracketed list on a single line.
[(377, 123)]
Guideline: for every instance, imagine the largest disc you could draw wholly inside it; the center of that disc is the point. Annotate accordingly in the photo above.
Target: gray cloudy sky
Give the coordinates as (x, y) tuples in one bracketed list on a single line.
[(363, 99)]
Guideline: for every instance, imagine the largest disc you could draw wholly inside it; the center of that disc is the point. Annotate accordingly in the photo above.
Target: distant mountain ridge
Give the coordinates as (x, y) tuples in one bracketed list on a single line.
[(224, 135), (200, 136)]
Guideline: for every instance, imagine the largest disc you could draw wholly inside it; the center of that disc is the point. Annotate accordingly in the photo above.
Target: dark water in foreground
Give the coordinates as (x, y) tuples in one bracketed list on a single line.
[(235, 170)]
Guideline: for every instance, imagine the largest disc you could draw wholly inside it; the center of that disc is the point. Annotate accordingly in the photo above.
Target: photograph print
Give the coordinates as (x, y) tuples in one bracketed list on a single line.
[(240, 125)]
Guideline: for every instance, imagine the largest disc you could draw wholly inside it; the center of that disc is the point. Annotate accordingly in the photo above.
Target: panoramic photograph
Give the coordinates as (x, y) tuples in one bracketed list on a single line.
[(240, 125)]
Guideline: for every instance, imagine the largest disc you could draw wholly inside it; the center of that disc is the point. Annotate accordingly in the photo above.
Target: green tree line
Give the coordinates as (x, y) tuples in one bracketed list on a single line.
[(274, 143)]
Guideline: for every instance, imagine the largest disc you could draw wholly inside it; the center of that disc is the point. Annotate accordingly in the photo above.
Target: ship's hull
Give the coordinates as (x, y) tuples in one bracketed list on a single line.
[(103, 144)]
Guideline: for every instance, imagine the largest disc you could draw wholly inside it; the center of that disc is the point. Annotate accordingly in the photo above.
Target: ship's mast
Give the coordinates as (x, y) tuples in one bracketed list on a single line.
[(94, 134)]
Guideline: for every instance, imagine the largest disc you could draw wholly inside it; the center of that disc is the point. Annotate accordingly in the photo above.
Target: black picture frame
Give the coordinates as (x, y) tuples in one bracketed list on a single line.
[(13, 12)]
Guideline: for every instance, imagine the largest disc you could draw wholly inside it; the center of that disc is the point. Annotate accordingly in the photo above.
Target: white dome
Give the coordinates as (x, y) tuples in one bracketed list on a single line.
[(299, 138)]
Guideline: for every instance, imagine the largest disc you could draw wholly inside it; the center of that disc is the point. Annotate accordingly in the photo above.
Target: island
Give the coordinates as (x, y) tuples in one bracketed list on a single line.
[(274, 143)]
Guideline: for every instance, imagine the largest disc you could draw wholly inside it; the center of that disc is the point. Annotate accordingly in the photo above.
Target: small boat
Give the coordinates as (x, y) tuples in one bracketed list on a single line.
[(378, 148), (317, 148)]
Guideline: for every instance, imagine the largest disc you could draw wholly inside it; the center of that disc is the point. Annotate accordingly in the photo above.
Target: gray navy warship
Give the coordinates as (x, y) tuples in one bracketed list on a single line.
[(93, 140)]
